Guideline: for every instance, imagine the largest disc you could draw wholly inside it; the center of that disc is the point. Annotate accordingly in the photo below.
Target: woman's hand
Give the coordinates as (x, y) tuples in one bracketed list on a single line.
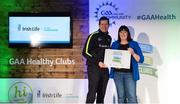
[(136, 56), (131, 51), (102, 65)]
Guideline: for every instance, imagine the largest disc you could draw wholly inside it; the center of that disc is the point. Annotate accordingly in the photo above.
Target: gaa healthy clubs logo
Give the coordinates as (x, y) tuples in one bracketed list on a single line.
[(20, 92), (109, 10)]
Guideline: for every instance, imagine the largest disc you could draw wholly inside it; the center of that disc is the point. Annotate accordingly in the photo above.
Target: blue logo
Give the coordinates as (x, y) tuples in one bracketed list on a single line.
[(111, 11)]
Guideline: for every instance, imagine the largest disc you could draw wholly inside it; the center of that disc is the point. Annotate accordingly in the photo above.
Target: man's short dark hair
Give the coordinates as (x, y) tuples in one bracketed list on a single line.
[(103, 18)]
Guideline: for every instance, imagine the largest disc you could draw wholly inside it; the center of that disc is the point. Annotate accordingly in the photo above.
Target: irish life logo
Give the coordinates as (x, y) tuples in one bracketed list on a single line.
[(20, 92), (27, 28)]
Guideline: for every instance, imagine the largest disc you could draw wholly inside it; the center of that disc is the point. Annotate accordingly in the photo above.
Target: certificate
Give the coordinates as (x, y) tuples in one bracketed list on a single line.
[(117, 58)]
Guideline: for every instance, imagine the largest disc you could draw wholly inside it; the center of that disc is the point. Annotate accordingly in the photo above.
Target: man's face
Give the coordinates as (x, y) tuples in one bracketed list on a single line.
[(103, 26)]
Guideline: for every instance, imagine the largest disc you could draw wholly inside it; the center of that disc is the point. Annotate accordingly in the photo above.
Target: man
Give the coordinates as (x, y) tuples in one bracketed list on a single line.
[(93, 51)]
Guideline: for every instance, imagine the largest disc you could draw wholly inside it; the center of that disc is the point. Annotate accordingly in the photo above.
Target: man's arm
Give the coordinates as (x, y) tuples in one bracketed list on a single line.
[(88, 49)]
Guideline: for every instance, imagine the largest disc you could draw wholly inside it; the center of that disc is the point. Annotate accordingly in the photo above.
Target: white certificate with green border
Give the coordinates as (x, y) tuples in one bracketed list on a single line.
[(117, 58)]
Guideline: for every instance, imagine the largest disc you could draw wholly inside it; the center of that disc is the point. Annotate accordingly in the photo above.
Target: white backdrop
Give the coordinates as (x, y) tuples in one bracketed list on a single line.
[(155, 24)]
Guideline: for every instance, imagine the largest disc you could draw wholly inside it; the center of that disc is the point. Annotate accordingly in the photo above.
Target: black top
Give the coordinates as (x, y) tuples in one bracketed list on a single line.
[(95, 46), (124, 47)]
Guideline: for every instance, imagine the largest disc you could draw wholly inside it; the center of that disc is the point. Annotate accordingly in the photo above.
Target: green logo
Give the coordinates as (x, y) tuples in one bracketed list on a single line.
[(20, 92), (117, 58)]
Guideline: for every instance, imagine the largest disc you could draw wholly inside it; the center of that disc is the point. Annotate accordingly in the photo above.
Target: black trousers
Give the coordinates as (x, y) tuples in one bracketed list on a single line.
[(97, 83)]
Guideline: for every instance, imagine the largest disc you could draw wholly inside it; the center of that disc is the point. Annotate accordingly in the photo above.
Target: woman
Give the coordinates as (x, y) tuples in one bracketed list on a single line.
[(125, 79)]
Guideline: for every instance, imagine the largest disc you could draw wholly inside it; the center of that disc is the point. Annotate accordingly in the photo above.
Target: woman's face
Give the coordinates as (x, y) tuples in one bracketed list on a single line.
[(123, 35)]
